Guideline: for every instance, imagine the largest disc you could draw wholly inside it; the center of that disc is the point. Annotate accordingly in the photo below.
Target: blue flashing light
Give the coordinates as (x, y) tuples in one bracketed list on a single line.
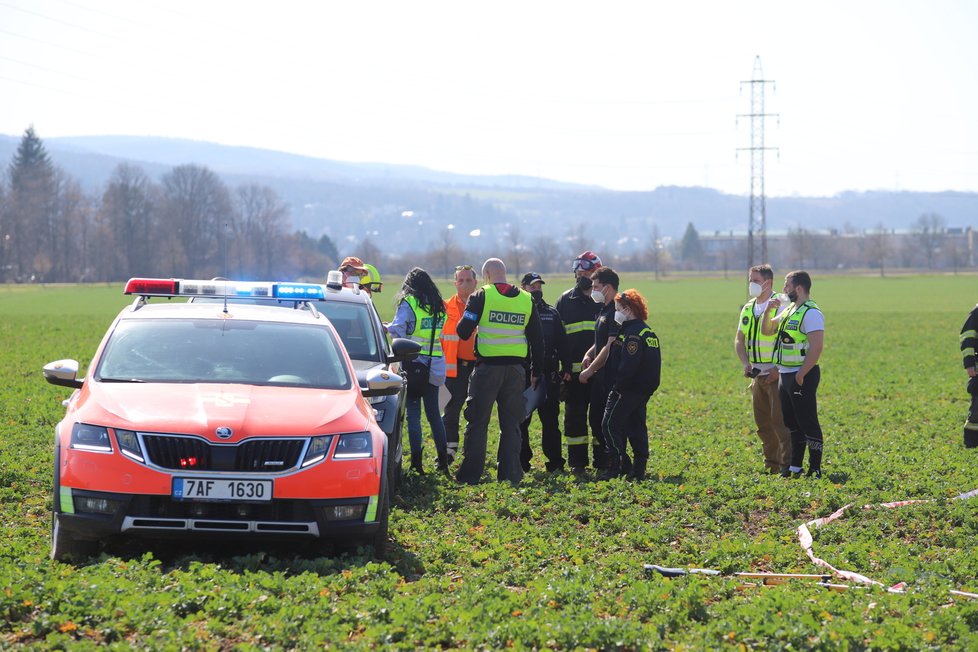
[(305, 291)]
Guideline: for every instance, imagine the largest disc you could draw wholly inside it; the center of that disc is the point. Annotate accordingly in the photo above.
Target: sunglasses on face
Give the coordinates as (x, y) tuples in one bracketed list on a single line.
[(459, 268)]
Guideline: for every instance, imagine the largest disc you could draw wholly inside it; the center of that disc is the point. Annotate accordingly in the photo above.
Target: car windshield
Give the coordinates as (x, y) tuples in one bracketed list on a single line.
[(353, 324), (223, 351)]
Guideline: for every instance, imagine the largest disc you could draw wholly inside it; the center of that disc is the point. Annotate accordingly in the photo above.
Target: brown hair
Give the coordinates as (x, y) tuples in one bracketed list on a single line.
[(635, 302), (606, 276), (764, 270), (801, 278)]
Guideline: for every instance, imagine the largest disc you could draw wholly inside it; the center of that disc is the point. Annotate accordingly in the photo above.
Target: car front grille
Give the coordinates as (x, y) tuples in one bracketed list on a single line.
[(195, 454)]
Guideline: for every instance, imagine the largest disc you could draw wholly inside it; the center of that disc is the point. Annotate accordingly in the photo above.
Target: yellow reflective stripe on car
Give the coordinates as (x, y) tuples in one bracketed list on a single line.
[(67, 502), (371, 510)]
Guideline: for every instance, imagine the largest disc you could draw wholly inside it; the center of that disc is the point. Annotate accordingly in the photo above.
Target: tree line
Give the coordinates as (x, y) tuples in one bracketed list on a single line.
[(190, 224)]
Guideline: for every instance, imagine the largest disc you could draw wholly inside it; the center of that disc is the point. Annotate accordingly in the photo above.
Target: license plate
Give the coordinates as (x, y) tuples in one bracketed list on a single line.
[(222, 489)]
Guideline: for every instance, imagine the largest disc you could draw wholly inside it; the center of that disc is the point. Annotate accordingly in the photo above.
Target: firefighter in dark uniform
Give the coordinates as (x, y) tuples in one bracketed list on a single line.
[(969, 340), (577, 312), (556, 367), (633, 373)]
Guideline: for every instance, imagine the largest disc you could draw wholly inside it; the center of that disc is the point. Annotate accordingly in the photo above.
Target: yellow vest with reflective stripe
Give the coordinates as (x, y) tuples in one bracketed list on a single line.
[(792, 343), (423, 323), (502, 324), (760, 347)]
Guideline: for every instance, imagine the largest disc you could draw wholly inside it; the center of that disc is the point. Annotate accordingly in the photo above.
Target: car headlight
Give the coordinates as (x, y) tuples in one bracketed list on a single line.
[(316, 452), (357, 445), (374, 400), (129, 444), (90, 438)]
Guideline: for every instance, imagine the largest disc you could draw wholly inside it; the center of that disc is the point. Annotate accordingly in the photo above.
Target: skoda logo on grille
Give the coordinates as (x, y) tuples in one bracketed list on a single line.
[(223, 432)]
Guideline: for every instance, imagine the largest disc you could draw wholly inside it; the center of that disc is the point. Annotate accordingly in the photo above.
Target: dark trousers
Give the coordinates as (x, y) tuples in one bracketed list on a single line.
[(490, 385), (549, 414), (799, 406), (584, 407), (971, 425), (458, 389), (625, 421)]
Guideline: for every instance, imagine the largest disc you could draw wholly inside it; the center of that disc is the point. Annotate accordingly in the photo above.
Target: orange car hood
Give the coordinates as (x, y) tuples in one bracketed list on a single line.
[(248, 410)]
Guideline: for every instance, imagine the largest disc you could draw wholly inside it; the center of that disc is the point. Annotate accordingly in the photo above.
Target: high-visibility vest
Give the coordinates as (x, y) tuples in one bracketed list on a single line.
[(451, 345), (792, 343), (502, 324), (760, 347), (423, 325)]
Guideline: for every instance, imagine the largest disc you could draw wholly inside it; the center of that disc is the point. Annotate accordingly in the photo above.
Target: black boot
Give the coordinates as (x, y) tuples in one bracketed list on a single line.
[(443, 462), (611, 471), (970, 438), (416, 464), (638, 469)]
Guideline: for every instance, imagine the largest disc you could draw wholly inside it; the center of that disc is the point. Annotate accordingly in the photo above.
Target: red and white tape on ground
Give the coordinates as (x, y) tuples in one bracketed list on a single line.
[(806, 540)]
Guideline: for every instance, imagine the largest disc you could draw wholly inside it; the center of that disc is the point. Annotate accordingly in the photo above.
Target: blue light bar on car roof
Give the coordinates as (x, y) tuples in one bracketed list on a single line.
[(194, 288)]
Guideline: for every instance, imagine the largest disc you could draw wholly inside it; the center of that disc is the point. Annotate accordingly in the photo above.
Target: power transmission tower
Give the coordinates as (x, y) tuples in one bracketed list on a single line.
[(757, 225)]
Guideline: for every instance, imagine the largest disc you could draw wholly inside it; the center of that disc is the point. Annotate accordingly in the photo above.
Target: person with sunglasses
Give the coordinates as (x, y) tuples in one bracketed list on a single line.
[(459, 355), (578, 312)]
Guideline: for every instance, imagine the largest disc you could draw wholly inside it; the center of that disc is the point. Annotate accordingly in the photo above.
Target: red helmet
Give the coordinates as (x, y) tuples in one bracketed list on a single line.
[(588, 261)]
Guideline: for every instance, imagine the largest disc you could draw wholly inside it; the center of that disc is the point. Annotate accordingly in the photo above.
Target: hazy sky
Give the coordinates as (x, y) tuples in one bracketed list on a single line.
[(626, 95)]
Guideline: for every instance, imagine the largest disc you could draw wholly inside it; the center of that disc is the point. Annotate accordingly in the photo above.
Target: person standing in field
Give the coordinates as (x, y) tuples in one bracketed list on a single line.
[(556, 368), (604, 289), (509, 329), (420, 315), (459, 355), (578, 313), (800, 330), (633, 374), (756, 353), (969, 340)]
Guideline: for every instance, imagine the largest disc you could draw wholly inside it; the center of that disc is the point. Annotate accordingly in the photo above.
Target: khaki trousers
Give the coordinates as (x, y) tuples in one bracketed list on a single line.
[(775, 438)]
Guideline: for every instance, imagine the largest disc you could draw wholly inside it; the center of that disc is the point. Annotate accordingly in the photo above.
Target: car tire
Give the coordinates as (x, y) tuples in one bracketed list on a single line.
[(64, 546)]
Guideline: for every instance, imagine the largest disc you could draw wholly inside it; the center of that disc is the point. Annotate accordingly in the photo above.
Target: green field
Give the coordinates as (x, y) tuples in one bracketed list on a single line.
[(557, 562)]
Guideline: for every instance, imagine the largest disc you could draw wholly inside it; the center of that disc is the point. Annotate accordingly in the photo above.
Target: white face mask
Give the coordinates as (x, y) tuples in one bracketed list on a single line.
[(754, 290), (620, 317), (598, 297)]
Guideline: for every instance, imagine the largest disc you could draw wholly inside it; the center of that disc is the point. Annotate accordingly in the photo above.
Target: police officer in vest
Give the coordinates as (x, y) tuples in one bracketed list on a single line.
[(800, 329), (509, 329), (578, 313), (756, 353), (969, 341), (556, 367)]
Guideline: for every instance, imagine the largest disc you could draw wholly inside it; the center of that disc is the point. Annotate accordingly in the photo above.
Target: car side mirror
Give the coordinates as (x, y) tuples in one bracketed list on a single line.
[(379, 382), (403, 349), (63, 373)]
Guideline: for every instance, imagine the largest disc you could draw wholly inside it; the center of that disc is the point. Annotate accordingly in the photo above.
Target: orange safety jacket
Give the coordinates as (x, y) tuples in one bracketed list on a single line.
[(453, 348)]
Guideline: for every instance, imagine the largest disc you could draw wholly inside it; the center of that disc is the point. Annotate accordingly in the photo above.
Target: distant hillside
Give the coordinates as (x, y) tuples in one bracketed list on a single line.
[(405, 208)]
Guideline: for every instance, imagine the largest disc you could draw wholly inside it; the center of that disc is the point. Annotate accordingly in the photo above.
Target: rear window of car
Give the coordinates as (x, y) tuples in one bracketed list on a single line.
[(223, 351)]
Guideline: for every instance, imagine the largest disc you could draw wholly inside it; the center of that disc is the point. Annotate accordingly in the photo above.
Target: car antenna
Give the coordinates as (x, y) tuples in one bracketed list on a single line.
[(226, 229)]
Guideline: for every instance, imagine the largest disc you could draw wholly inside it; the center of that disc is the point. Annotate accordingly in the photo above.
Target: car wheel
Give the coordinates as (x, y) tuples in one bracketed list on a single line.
[(64, 546)]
